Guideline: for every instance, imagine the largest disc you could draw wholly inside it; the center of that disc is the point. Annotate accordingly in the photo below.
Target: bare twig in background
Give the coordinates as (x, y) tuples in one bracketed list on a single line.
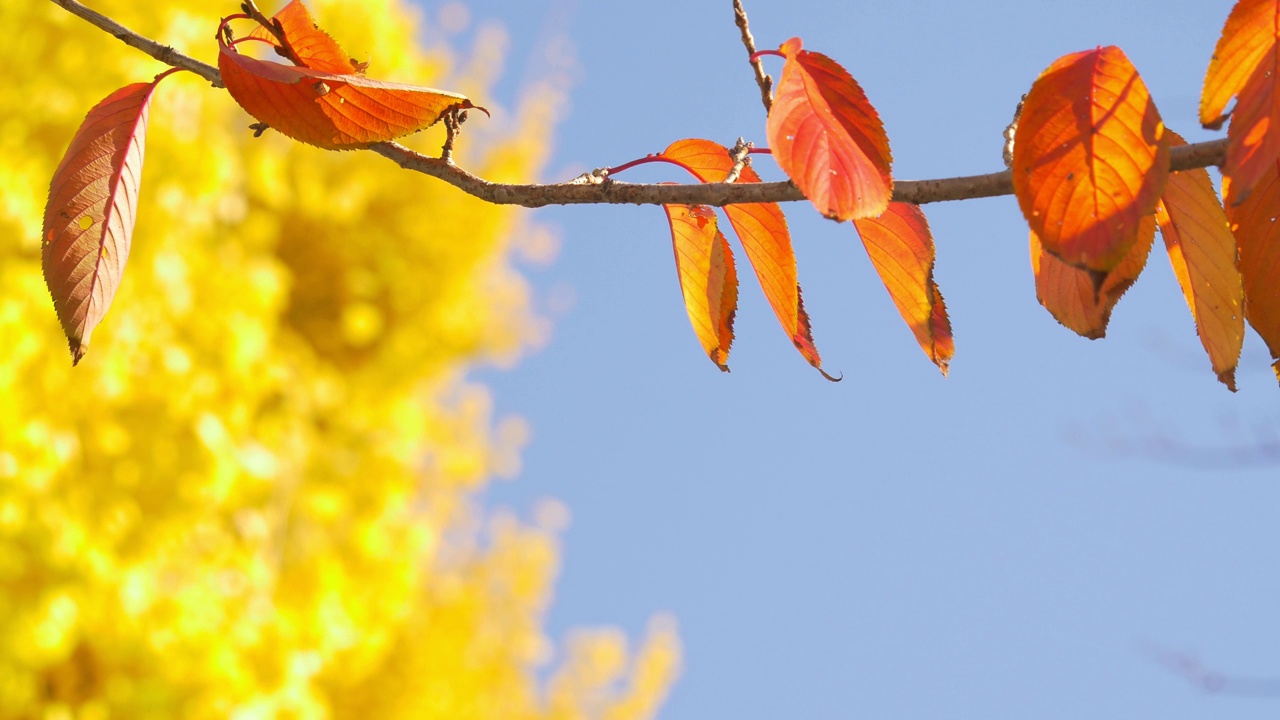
[(1188, 666)]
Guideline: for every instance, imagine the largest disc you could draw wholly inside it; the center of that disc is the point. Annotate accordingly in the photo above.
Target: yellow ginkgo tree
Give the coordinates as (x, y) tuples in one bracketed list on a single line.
[(257, 500)]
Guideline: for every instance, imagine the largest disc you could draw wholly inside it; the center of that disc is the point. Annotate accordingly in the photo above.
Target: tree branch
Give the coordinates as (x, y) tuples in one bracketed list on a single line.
[(597, 188)]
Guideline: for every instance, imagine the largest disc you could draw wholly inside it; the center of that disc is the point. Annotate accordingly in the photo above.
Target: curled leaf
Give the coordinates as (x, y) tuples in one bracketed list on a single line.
[(901, 249), (1090, 160), (1081, 300), (762, 229), (327, 109), (1246, 65), (1202, 251), (1254, 221), (708, 278), (93, 203), (827, 137)]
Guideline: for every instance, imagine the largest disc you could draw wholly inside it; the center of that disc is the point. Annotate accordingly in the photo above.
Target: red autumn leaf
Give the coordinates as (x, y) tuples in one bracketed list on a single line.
[(762, 229), (1254, 222), (93, 202), (1203, 253), (313, 47), (901, 248), (708, 279), (1089, 158), (828, 138), (1245, 65), (1074, 297), (330, 110)]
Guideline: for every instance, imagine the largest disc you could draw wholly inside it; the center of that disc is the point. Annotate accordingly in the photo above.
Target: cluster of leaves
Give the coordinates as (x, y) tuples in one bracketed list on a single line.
[(260, 499), (1090, 163), (1091, 173), (829, 140)]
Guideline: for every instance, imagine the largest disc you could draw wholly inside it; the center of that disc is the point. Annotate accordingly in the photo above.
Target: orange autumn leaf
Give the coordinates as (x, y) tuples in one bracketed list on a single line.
[(901, 248), (1074, 296), (708, 278), (1254, 222), (762, 230), (827, 137), (1089, 158), (330, 110), (1203, 253), (89, 218), (313, 47), (1245, 65)]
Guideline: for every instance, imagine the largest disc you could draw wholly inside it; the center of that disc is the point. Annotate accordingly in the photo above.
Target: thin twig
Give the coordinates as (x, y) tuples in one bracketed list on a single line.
[(453, 119), (251, 9), (581, 192), (284, 49), (741, 155), (1011, 132), (762, 79), (163, 53)]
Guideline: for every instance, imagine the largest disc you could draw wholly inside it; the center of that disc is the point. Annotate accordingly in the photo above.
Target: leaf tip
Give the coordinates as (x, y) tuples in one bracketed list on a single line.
[(829, 376), (1214, 125), (78, 349), (1228, 377)]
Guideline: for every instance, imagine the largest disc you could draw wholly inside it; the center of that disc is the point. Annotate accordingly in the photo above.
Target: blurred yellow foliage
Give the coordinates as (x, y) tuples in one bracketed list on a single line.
[(255, 497)]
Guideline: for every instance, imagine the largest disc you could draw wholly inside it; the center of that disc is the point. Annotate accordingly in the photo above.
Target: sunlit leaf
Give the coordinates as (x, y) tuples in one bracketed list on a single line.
[(314, 47), (1255, 221), (901, 248), (762, 229), (330, 110), (708, 278), (1245, 65), (1074, 297), (93, 202), (828, 138), (1089, 158), (1203, 253)]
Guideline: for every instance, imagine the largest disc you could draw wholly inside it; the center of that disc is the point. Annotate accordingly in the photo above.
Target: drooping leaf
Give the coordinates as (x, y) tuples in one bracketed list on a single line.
[(762, 230), (1089, 158), (93, 203), (1203, 253), (330, 110), (1255, 221), (314, 47), (1245, 65), (1074, 297), (708, 278), (827, 137), (901, 248)]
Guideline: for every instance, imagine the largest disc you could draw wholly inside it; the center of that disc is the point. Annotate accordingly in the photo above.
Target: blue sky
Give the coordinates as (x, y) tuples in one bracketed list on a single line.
[(999, 543)]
